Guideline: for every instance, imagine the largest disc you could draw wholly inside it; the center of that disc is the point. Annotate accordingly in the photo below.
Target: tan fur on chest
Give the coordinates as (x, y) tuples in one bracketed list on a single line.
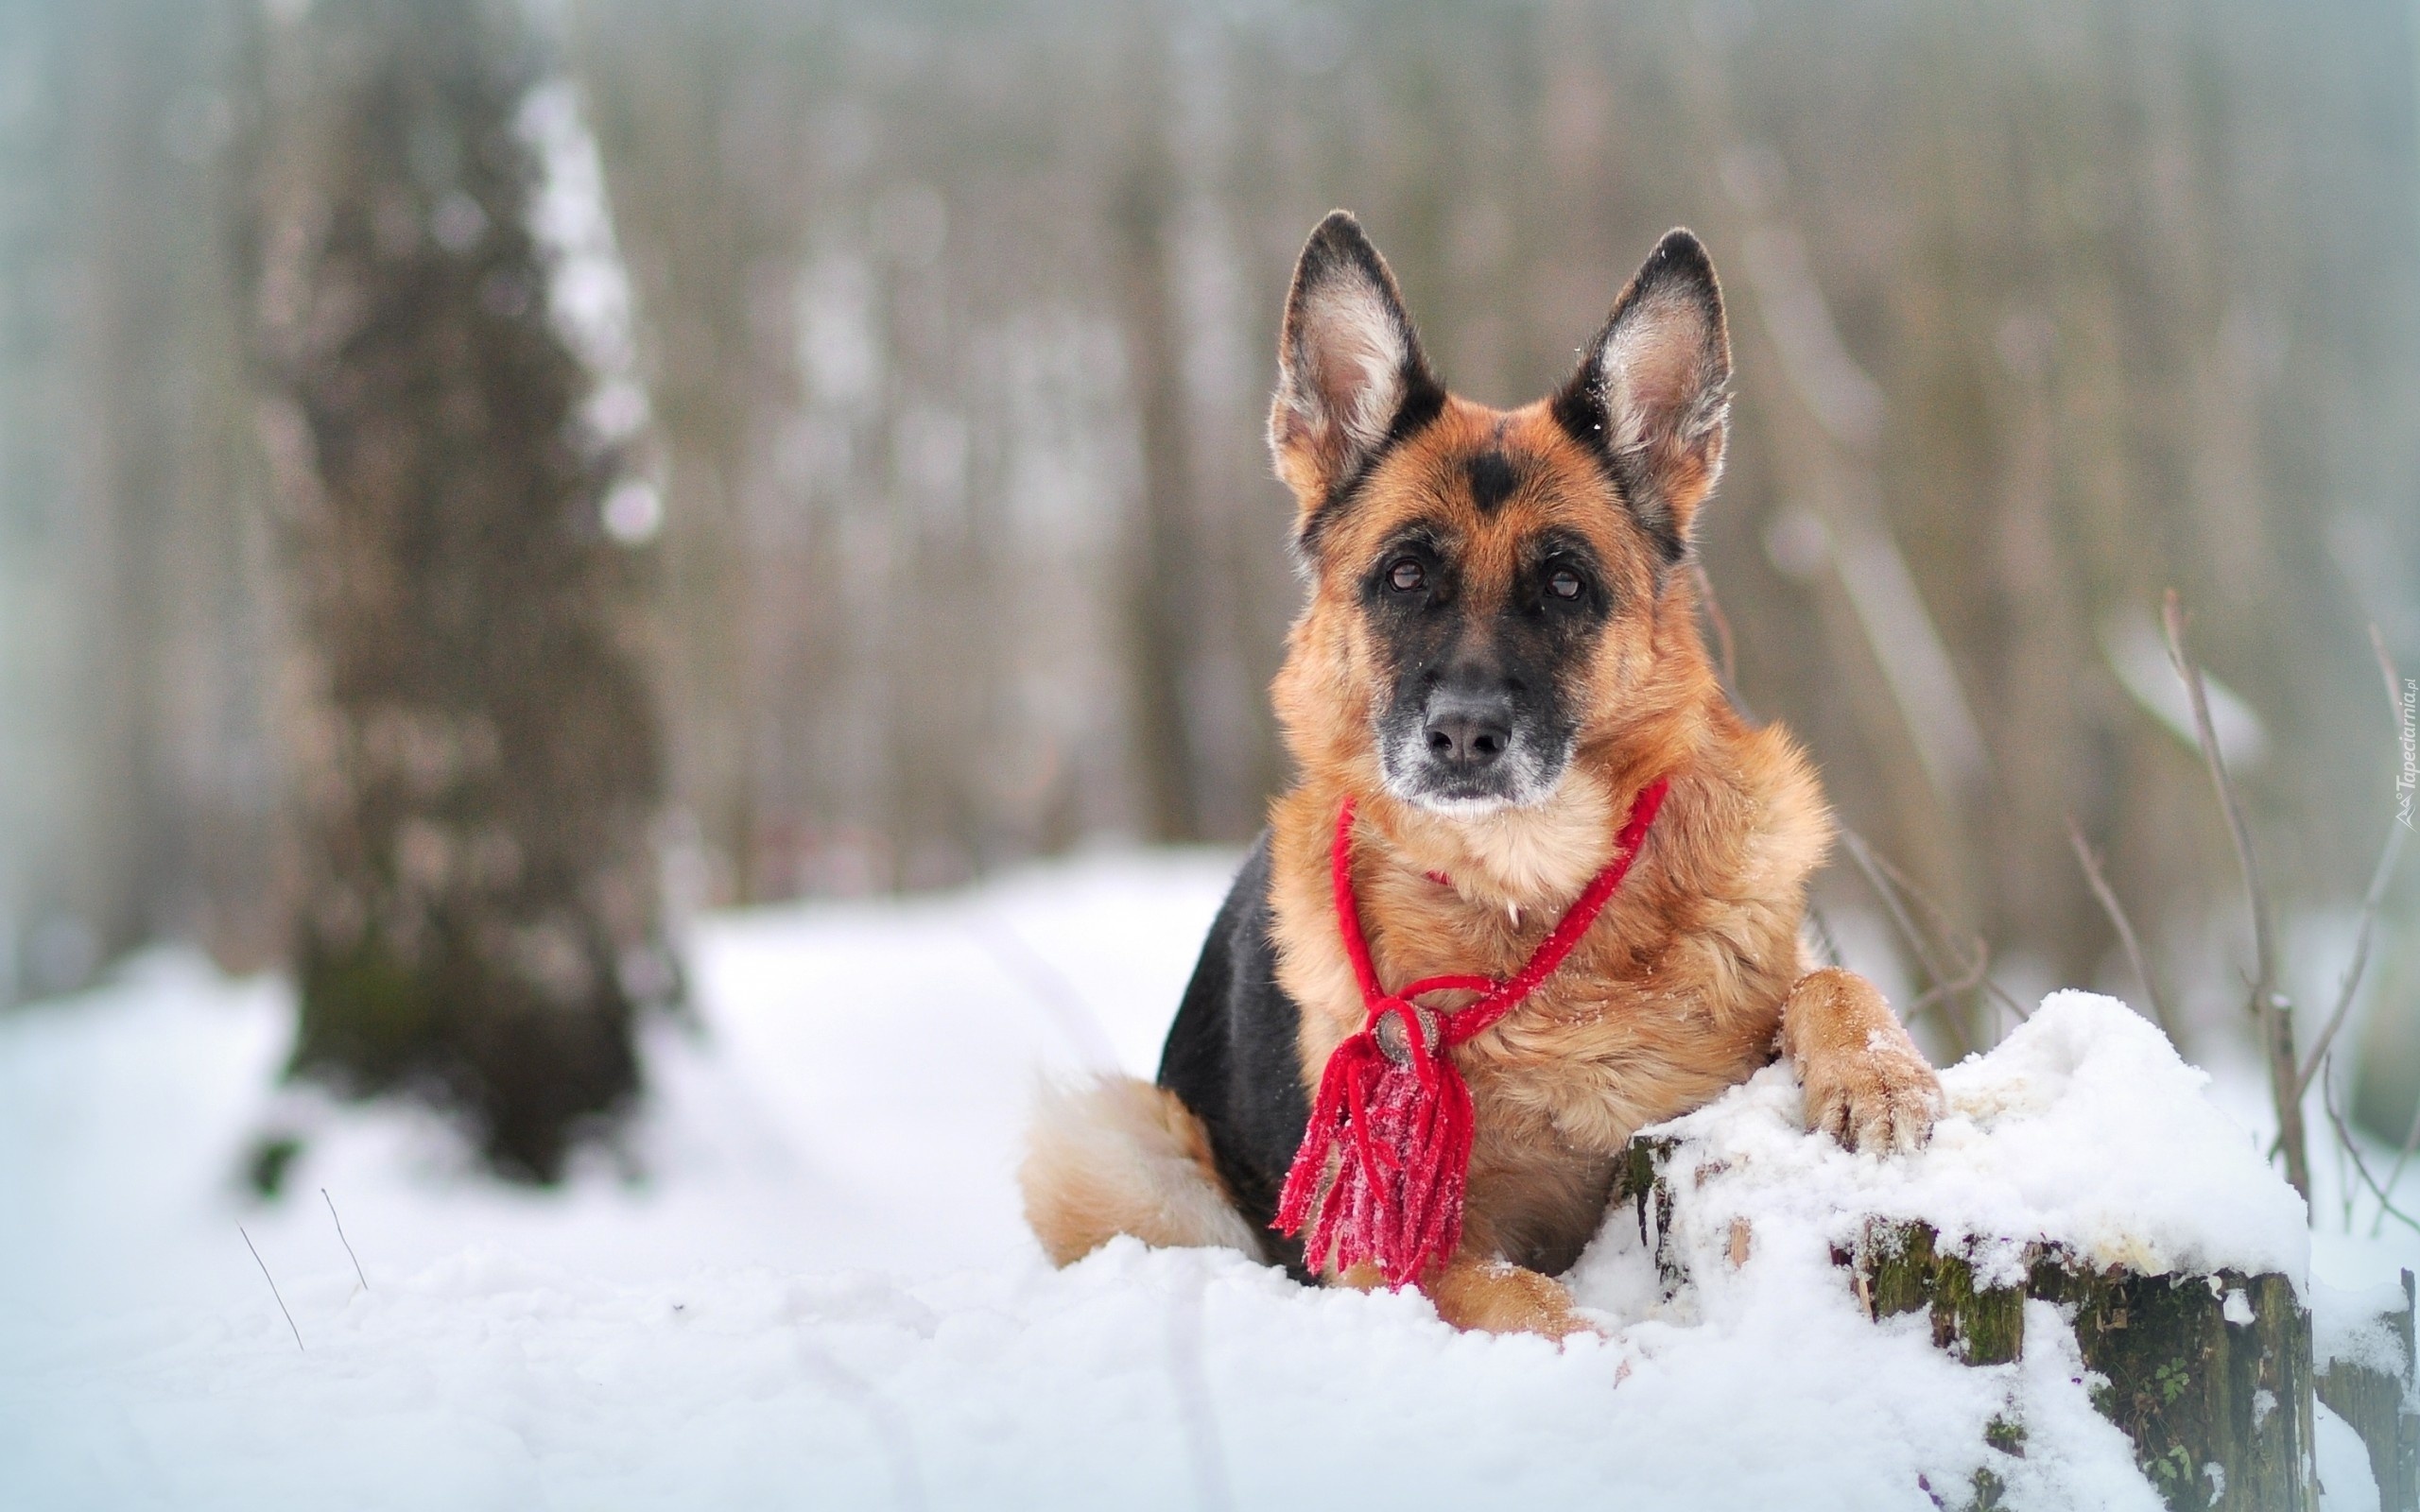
[(1674, 994)]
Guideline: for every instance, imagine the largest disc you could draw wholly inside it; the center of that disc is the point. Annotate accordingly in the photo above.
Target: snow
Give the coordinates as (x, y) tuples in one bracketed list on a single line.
[(2347, 1482), (2353, 1327), (2080, 1130), (589, 290), (2356, 1285), (806, 1283)]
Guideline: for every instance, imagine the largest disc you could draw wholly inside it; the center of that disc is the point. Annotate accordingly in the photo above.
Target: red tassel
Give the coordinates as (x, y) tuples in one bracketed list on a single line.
[(1394, 1115), (1404, 1131)]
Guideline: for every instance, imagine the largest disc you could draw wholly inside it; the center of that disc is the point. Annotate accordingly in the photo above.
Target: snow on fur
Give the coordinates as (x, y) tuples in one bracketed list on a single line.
[(807, 1284)]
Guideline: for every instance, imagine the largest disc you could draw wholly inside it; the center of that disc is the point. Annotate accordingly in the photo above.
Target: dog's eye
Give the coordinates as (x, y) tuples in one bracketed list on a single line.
[(1407, 575), (1564, 583)]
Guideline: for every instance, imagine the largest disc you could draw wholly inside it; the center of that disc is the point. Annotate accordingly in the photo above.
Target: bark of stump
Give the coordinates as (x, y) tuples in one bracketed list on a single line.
[(2191, 1389)]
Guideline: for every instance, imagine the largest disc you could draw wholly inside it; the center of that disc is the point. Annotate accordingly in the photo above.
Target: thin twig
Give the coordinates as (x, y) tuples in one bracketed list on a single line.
[(1978, 972), (2360, 962), (2263, 939), (2345, 1183), (1863, 855), (1991, 984), (2270, 1008), (2402, 1157), (2125, 928), (272, 1285), (1947, 986), (2370, 901), (342, 1240), (1859, 853), (1971, 962), (1955, 987), (2344, 1137), (2395, 700), (1971, 972), (1974, 958)]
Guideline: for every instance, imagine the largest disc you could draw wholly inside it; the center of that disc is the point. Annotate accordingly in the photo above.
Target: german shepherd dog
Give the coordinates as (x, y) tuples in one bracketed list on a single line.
[(1500, 650)]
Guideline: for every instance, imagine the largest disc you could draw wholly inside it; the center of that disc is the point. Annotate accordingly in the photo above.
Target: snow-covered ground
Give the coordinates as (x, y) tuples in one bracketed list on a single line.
[(807, 1285)]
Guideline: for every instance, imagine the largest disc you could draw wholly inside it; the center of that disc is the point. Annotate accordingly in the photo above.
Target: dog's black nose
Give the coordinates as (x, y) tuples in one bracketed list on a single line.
[(1468, 730)]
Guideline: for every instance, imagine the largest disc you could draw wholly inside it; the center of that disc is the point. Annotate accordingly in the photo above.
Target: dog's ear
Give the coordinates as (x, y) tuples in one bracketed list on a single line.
[(1653, 395), (1349, 366)]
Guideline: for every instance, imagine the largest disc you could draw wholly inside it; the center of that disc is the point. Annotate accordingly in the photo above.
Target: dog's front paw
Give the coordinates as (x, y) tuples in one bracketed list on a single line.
[(1496, 1296), (1882, 1099)]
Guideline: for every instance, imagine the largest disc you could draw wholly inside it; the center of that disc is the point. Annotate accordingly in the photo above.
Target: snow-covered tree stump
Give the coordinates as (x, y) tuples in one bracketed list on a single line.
[(2364, 1376), (2210, 1375), (2081, 1178)]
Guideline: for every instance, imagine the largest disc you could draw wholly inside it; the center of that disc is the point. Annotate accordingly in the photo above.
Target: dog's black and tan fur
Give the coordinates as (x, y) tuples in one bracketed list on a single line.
[(1500, 649)]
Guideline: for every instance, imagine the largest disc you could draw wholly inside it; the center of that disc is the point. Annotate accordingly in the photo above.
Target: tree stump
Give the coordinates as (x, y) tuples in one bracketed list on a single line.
[(2377, 1404), (2203, 1372), (2210, 1376)]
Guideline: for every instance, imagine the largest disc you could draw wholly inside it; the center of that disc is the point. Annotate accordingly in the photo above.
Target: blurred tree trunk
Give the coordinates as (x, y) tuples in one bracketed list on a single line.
[(476, 760)]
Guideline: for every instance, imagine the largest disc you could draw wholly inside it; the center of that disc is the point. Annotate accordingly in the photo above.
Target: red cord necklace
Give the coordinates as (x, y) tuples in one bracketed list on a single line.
[(1392, 1106)]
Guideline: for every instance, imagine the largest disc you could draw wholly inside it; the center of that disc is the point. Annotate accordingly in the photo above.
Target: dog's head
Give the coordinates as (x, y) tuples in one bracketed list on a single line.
[(1486, 584)]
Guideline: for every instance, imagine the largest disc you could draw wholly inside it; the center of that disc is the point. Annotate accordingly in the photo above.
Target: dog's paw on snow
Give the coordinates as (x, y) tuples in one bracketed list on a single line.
[(1882, 1101)]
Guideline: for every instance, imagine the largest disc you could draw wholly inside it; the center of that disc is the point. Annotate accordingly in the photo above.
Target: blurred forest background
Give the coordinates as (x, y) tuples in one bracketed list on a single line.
[(919, 513)]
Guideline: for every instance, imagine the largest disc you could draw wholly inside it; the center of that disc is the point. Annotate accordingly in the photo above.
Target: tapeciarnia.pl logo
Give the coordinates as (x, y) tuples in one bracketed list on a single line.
[(2410, 776)]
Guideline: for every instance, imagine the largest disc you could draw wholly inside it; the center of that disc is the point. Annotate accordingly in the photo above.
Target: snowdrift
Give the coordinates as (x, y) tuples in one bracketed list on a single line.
[(804, 1283)]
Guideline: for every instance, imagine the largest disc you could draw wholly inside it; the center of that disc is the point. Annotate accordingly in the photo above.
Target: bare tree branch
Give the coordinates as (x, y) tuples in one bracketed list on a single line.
[(2370, 901), (2360, 962), (272, 1286), (2263, 939), (2270, 1008), (1976, 971), (1863, 855), (2126, 938), (2402, 1157), (2353, 1152), (358, 1273), (1950, 991)]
